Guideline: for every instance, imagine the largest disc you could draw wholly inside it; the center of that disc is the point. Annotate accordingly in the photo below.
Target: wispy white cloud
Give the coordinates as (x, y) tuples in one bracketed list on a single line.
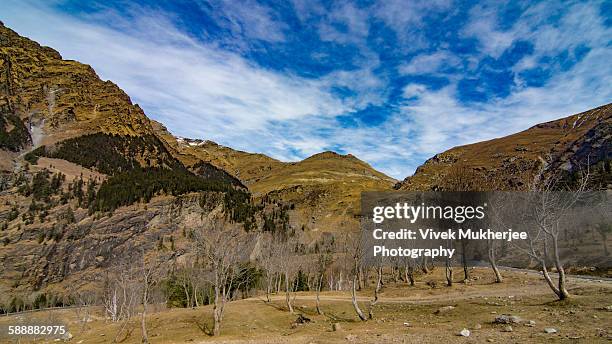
[(430, 63), (201, 90), (196, 89), (406, 18), (246, 18), (438, 121), (353, 20)]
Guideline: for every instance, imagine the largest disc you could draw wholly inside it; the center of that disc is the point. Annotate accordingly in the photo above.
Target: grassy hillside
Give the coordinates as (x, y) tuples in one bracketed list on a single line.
[(510, 162), (324, 189)]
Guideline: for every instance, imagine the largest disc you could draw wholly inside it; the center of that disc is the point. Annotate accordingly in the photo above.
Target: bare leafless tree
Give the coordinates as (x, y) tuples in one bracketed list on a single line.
[(84, 299), (497, 205), (547, 208), (449, 266), (354, 250), (324, 259), (288, 265), (120, 295), (409, 267), (269, 260), (377, 288), (220, 246), (148, 276)]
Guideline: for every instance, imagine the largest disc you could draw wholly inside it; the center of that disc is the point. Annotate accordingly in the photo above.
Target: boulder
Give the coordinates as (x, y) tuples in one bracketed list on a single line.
[(507, 319)]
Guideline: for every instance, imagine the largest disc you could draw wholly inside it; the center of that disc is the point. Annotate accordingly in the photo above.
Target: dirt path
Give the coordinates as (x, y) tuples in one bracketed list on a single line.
[(479, 292)]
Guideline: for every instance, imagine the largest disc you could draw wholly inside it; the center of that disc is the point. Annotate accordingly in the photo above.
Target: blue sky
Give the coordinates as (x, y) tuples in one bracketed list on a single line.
[(392, 82)]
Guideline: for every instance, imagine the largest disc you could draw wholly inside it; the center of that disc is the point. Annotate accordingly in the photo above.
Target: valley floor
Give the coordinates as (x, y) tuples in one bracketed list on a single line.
[(403, 314)]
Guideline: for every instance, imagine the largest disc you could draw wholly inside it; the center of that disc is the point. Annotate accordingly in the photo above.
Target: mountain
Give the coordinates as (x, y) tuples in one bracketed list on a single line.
[(562, 147), (88, 181), (85, 182), (323, 189)]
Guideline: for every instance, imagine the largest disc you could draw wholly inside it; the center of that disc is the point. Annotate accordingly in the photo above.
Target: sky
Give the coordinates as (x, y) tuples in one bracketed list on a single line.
[(391, 82)]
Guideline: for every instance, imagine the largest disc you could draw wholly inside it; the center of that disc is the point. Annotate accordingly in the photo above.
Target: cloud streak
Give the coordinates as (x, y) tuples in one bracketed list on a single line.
[(205, 88)]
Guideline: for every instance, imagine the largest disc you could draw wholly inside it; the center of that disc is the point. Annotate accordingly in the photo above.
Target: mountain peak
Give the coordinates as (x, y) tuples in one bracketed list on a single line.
[(331, 155)]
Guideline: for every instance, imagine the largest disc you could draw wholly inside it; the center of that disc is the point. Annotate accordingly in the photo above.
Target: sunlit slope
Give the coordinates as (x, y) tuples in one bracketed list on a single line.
[(323, 188), (509, 163)]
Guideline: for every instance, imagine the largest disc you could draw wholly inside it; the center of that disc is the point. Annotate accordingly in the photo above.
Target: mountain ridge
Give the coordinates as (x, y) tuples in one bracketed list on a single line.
[(510, 162)]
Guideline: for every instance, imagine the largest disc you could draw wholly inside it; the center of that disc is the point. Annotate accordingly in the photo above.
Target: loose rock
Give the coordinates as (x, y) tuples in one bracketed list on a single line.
[(67, 336), (550, 330), (301, 319), (507, 319), (443, 310), (465, 332)]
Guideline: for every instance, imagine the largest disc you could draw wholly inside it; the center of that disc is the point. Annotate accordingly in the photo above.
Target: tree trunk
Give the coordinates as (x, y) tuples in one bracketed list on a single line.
[(143, 324), (217, 307), (466, 272), (376, 291), (195, 295), (498, 276), (425, 267), (604, 238), (449, 273), (287, 297), (354, 297), (216, 315), (563, 293), (187, 298), (319, 311), (410, 275), (547, 277)]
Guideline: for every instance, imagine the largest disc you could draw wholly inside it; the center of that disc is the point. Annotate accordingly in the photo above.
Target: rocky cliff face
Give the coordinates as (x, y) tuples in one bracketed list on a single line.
[(566, 145), (62, 98), (60, 253), (86, 182)]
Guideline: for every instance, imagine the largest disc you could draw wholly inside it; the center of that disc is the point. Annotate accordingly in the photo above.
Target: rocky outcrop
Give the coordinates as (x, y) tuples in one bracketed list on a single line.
[(66, 98), (58, 253)]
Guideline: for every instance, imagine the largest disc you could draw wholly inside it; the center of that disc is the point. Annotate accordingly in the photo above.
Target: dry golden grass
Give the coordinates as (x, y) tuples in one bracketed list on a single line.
[(476, 305)]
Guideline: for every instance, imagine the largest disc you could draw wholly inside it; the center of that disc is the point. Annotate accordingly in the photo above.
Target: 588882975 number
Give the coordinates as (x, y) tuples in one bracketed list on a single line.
[(36, 330)]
